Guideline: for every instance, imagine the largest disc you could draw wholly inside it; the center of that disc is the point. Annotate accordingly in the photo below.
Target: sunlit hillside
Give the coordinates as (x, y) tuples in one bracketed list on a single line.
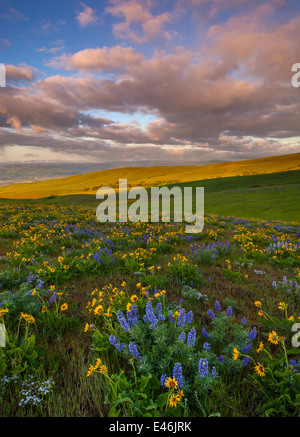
[(151, 176)]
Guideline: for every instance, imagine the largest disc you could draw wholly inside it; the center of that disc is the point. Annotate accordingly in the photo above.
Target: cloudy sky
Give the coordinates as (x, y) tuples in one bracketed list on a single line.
[(133, 80)]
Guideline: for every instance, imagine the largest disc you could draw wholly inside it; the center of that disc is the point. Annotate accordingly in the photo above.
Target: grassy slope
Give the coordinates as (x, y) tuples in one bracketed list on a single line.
[(269, 196), (153, 176)]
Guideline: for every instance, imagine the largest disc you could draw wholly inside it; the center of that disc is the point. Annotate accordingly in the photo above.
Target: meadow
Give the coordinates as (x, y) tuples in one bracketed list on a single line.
[(143, 319)]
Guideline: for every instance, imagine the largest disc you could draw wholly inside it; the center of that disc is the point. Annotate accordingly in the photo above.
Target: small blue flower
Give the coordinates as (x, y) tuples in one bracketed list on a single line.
[(211, 314), (203, 367), (229, 312), (207, 346), (191, 340), (217, 306), (177, 374), (252, 334), (205, 333), (244, 321), (134, 350)]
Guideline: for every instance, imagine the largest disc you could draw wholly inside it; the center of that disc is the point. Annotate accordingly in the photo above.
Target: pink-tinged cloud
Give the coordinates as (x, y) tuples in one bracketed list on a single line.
[(13, 15), (139, 25), (20, 73), (103, 59), (87, 17)]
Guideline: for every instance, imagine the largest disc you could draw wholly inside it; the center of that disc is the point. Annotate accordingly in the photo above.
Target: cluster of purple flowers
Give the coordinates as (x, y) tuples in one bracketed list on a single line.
[(158, 311), (191, 339), (205, 333), (133, 349), (211, 314), (114, 341), (177, 374), (253, 333), (132, 316), (206, 346), (150, 316), (247, 348), (203, 369), (123, 322)]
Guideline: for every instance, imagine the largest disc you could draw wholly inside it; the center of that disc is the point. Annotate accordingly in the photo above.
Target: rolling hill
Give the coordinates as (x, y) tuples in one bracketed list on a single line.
[(149, 176)]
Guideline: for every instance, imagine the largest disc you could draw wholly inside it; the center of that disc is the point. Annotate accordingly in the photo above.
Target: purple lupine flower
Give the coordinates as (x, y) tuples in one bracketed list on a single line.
[(203, 367), (247, 348), (252, 334), (246, 361), (244, 321), (132, 315), (123, 322), (163, 379), (158, 311), (221, 358), (211, 314), (181, 318), (214, 372), (182, 336), (150, 316), (191, 340), (205, 333), (206, 346), (229, 312), (177, 374), (189, 317), (274, 285), (53, 298), (217, 306), (114, 341), (133, 349)]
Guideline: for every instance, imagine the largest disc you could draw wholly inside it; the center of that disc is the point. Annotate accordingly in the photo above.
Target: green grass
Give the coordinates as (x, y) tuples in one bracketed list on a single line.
[(268, 197)]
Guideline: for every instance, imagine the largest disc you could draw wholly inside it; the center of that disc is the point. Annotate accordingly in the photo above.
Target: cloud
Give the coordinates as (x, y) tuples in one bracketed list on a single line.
[(139, 25), (87, 17), (20, 73), (104, 59), (13, 16), (4, 43)]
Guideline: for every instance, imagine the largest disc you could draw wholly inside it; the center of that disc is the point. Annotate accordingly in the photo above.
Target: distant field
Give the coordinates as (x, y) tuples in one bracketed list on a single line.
[(150, 176), (272, 196)]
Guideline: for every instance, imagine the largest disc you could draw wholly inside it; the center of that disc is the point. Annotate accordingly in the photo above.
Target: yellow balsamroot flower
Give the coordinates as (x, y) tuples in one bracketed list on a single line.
[(291, 318), (171, 383), (258, 303), (44, 309), (98, 362), (282, 306), (123, 284), (103, 369), (235, 354), (273, 337), (134, 298), (108, 313), (98, 309), (128, 307), (180, 394), (260, 313), (173, 400), (86, 327), (260, 347), (2, 312), (29, 319), (260, 370), (90, 371), (64, 307)]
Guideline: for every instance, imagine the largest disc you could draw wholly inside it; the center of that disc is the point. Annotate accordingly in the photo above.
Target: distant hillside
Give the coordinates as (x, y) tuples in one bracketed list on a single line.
[(149, 176)]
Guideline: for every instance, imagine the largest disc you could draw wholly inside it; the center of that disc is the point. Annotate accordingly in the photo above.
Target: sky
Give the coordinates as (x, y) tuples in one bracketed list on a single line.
[(148, 80)]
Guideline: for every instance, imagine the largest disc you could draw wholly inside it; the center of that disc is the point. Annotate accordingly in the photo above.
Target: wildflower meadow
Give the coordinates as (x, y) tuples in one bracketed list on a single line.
[(145, 320)]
